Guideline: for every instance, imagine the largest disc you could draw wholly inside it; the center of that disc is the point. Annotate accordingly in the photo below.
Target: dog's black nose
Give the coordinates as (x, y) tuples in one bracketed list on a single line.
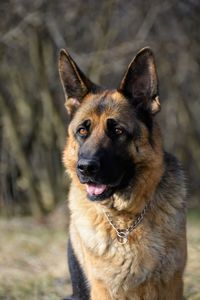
[(88, 166)]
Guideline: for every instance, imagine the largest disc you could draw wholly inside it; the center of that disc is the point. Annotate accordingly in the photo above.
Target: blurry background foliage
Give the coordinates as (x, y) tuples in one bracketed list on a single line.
[(103, 37)]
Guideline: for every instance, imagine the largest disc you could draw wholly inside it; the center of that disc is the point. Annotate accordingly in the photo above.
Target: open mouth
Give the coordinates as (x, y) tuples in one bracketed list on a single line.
[(96, 192)]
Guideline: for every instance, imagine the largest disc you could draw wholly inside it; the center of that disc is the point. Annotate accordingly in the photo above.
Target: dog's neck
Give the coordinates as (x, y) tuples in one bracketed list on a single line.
[(137, 194)]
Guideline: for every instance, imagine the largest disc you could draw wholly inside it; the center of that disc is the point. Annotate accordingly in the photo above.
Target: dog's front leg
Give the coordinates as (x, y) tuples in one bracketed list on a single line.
[(99, 291), (174, 290)]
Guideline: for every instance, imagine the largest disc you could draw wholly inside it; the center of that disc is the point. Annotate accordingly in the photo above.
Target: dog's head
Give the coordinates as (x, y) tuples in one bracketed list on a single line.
[(112, 133)]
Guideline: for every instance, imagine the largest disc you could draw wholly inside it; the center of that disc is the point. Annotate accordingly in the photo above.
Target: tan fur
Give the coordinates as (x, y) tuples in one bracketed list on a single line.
[(150, 265), (105, 260), (134, 270)]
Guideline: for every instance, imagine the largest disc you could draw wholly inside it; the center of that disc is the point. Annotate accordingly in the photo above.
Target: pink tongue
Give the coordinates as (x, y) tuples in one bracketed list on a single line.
[(94, 189)]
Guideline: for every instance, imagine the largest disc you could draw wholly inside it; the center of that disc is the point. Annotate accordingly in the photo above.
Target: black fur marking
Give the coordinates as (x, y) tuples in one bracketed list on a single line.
[(101, 107), (79, 282)]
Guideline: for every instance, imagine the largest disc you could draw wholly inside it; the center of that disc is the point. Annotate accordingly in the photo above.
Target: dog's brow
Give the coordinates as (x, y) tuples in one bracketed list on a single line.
[(101, 107)]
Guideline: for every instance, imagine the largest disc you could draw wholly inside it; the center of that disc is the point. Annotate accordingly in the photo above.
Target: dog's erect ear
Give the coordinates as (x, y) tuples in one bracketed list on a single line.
[(75, 84), (140, 82)]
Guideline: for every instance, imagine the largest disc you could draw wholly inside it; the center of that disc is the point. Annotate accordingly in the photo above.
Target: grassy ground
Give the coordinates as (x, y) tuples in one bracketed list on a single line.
[(33, 260)]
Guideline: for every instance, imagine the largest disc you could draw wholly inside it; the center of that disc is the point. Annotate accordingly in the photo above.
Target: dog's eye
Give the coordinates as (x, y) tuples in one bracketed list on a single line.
[(83, 132), (118, 131), (114, 129)]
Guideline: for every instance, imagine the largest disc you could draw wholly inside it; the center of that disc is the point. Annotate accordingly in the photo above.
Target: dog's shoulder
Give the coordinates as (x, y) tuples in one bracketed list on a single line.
[(171, 200), (173, 182)]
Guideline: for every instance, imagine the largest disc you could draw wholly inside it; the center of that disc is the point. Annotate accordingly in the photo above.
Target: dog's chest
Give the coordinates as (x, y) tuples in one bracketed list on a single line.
[(122, 266)]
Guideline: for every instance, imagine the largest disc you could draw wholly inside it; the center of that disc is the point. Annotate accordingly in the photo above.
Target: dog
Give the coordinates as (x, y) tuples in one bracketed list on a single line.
[(127, 198)]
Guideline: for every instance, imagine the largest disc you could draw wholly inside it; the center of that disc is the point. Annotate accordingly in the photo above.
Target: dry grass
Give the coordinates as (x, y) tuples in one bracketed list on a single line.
[(192, 274), (33, 260)]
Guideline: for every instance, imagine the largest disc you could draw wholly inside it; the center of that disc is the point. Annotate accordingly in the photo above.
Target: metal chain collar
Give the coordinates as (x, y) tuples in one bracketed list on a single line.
[(123, 234)]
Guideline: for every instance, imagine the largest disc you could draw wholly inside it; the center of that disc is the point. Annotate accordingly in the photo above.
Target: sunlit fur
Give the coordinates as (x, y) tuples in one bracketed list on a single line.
[(150, 265)]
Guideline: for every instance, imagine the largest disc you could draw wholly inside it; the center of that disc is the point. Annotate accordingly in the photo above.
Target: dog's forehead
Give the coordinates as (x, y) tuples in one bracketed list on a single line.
[(111, 104)]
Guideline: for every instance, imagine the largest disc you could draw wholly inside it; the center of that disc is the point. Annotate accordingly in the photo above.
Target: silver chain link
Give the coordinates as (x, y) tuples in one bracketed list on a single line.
[(124, 233)]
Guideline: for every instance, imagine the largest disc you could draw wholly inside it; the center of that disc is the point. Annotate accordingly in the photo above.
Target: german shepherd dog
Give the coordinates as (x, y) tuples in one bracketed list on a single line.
[(127, 196)]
